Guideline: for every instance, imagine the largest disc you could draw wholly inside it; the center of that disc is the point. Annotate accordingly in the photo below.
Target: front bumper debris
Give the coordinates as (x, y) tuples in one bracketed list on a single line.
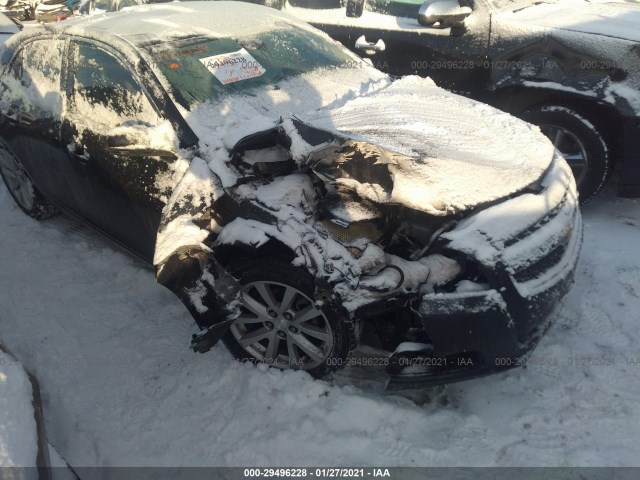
[(477, 333)]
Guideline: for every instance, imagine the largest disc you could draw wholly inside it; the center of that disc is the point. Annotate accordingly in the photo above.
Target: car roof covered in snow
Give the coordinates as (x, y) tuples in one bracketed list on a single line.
[(147, 23)]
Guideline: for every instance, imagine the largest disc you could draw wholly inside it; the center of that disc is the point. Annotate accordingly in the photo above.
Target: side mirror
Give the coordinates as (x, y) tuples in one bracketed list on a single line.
[(444, 13), (136, 141)]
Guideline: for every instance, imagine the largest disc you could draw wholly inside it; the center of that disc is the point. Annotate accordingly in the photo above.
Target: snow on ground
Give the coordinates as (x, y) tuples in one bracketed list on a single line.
[(121, 387), (18, 435)]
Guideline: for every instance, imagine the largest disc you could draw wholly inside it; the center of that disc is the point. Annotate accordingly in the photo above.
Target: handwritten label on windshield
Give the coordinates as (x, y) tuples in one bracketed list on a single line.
[(233, 67)]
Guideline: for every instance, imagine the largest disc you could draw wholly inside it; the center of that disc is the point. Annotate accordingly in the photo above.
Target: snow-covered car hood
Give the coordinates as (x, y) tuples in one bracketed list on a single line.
[(454, 153), (610, 19)]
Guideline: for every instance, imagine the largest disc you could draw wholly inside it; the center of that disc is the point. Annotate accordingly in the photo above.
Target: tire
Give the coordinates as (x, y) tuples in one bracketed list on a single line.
[(332, 335), (20, 187), (579, 141)]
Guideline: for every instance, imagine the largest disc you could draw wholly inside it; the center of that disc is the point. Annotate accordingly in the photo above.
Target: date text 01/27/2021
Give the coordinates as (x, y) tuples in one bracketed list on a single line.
[(316, 472)]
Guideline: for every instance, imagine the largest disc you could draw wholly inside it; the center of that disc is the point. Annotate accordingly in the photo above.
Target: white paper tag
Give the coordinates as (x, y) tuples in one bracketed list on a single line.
[(233, 67)]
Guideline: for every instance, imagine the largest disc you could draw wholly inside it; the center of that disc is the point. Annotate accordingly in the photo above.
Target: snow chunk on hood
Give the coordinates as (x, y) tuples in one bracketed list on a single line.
[(464, 153)]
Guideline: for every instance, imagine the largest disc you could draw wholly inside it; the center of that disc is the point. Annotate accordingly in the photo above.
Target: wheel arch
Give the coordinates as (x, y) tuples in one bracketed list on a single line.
[(198, 276), (517, 99)]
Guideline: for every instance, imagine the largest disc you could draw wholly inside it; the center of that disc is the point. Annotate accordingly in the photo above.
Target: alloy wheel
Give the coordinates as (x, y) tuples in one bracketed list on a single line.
[(17, 180), (571, 148), (281, 326)]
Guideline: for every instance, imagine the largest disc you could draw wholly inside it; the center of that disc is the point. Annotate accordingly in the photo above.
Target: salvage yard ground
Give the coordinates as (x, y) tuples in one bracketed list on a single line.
[(121, 387)]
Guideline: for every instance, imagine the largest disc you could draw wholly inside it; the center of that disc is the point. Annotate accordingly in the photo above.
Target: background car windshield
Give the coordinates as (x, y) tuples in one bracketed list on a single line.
[(512, 5), (397, 8), (280, 53)]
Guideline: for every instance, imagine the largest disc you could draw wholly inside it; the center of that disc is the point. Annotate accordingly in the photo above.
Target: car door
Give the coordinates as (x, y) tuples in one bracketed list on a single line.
[(109, 111), (387, 32), (31, 116), (454, 57), (327, 15)]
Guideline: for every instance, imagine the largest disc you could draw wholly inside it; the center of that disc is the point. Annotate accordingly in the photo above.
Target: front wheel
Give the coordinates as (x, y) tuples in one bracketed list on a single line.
[(578, 141), (282, 325)]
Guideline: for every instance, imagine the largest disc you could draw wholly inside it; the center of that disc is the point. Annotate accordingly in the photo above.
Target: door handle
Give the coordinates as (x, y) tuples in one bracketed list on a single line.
[(370, 47)]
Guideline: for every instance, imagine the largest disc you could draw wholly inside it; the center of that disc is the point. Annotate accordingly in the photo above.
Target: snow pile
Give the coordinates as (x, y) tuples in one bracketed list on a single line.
[(18, 434)]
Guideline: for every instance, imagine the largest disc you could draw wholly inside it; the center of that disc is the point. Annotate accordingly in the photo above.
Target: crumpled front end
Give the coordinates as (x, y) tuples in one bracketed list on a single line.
[(526, 250), (476, 281)]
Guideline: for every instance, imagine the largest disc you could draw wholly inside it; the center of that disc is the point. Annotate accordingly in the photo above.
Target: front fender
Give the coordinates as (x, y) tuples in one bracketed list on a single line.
[(204, 286), (565, 63), (199, 278)]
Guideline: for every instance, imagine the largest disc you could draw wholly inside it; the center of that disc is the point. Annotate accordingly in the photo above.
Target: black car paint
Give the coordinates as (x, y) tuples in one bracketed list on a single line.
[(482, 61), (92, 181), (92, 189)]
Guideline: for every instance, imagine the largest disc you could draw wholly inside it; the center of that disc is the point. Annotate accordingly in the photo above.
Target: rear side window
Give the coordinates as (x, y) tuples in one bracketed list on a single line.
[(397, 8), (33, 80), (106, 91)]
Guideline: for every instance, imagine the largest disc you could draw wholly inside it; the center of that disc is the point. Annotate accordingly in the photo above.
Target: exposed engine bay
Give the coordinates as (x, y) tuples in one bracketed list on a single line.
[(331, 212), (351, 232)]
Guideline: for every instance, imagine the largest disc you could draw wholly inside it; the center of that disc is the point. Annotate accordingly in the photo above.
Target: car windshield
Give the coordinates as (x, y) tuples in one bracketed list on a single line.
[(200, 69)]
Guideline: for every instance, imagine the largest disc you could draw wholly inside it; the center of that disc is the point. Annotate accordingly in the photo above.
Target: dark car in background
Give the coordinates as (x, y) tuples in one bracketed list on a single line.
[(573, 68), (294, 200)]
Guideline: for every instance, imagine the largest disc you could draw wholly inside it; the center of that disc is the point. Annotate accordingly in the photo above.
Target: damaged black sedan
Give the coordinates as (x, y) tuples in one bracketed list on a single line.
[(295, 200)]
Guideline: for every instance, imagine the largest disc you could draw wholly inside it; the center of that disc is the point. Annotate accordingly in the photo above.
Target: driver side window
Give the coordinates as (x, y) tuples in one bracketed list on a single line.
[(396, 8), (404, 8), (105, 91)]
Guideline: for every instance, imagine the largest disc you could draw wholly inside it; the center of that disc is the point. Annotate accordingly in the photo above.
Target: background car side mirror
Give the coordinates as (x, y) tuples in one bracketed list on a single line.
[(444, 13)]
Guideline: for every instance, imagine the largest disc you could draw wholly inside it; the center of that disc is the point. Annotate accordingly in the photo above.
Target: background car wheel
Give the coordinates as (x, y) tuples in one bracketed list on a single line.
[(281, 325), (25, 194), (579, 142)]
